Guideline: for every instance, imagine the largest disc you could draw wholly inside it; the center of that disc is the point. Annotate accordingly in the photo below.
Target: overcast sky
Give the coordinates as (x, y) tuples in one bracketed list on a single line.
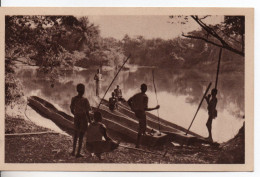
[(148, 26)]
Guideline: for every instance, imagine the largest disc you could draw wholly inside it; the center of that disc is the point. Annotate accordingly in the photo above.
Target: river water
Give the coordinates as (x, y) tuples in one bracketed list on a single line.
[(179, 93)]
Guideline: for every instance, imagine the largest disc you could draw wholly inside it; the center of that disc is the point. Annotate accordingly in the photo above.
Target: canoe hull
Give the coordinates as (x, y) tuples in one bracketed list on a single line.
[(124, 126), (176, 133)]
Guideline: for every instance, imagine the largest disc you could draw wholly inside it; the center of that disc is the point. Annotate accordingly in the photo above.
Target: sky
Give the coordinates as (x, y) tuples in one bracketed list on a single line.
[(152, 26)]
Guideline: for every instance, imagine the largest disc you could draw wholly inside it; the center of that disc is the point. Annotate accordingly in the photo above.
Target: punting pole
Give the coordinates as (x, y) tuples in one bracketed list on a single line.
[(219, 58), (113, 80), (150, 152), (157, 103), (199, 107)]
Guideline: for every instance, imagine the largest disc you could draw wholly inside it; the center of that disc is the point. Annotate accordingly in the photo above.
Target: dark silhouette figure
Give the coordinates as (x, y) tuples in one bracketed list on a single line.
[(118, 94), (212, 103), (80, 109), (98, 79), (139, 104), (96, 131), (112, 102)]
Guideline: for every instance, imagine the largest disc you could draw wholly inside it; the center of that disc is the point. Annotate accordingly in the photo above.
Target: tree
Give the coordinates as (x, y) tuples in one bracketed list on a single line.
[(40, 40), (228, 35)]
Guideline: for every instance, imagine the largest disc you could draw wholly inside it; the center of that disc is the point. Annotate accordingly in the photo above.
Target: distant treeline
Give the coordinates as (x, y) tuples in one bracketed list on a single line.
[(55, 43), (64, 41)]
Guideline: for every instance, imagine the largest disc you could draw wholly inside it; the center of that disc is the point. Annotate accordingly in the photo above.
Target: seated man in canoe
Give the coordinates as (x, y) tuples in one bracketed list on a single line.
[(96, 131), (118, 94), (112, 102), (139, 104), (212, 103), (80, 109)]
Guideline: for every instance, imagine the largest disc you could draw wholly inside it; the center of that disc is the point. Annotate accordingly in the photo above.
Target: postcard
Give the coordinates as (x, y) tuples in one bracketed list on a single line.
[(127, 89)]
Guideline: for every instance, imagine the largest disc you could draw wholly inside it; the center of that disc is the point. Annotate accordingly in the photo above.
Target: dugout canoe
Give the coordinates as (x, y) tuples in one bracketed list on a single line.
[(176, 133), (123, 125)]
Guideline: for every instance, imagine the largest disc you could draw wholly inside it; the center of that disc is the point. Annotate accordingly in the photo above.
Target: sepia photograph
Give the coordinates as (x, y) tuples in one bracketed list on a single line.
[(104, 88)]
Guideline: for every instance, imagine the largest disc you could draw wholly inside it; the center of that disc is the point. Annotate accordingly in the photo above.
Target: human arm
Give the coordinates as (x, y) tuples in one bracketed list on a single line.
[(146, 105), (207, 98), (151, 109), (130, 101), (88, 108), (72, 105), (95, 77), (104, 132)]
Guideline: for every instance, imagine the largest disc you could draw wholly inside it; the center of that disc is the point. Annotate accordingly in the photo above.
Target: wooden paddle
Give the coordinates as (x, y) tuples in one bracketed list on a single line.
[(157, 103)]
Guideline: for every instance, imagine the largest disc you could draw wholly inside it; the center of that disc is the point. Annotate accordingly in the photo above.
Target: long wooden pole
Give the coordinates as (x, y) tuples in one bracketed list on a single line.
[(113, 80), (219, 58), (199, 107), (157, 102)]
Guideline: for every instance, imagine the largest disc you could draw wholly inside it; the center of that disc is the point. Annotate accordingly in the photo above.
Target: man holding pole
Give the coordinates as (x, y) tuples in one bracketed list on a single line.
[(212, 103), (139, 104)]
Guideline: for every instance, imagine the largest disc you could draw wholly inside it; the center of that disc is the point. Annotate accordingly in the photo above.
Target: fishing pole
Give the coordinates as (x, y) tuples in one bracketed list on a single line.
[(219, 58), (157, 104), (113, 80), (198, 107), (216, 84)]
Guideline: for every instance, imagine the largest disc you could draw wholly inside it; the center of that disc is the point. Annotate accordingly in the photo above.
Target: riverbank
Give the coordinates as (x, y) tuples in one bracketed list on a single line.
[(56, 148)]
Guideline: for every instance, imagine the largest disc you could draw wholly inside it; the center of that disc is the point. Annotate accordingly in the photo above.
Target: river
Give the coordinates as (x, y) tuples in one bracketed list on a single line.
[(179, 93)]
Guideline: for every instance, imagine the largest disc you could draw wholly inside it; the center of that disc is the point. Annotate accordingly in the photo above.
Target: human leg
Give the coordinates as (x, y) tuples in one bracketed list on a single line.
[(209, 127), (75, 139), (80, 144), (138, 139), (142, 128)]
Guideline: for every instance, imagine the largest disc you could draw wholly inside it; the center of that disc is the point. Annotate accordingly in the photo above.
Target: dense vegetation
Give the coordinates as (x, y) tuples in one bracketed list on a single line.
[(55, 43)]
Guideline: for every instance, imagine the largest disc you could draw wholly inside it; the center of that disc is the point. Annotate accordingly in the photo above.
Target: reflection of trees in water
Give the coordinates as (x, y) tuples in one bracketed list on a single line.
[(190, 83)]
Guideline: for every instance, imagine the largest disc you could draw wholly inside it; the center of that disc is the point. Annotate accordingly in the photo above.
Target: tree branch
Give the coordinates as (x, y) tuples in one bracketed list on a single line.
[(204, 39), (214, 34), (209, 30), (218, 45)]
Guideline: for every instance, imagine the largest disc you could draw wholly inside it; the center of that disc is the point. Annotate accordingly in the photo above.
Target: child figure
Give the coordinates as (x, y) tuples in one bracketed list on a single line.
[(80, 109), (212, 112), (95, 134), (113, 102)]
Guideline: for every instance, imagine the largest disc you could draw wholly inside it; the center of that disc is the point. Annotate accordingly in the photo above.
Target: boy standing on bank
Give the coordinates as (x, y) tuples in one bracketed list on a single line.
[(80, 108), (139, 104)]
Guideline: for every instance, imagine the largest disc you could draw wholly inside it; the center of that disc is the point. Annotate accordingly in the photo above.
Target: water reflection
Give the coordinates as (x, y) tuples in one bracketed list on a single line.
[(179, 93)]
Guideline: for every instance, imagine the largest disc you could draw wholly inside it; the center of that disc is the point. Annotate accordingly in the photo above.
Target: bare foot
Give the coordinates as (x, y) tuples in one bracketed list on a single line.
[(79, 155)]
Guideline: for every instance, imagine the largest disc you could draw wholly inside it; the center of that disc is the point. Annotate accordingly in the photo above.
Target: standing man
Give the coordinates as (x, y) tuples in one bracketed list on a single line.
[(80, 109), (139, 104), (98, 79), (212, 103)]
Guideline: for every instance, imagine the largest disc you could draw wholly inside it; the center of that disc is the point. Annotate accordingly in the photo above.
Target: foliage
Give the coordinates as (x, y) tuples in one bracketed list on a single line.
[(228, 35), (12, 86), (175, 53), (39, 38), (53, 43)]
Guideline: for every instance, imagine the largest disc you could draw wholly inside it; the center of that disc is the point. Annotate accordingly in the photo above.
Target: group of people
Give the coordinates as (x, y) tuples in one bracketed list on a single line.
[(116, 96), (138, 103), (95, 130)]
